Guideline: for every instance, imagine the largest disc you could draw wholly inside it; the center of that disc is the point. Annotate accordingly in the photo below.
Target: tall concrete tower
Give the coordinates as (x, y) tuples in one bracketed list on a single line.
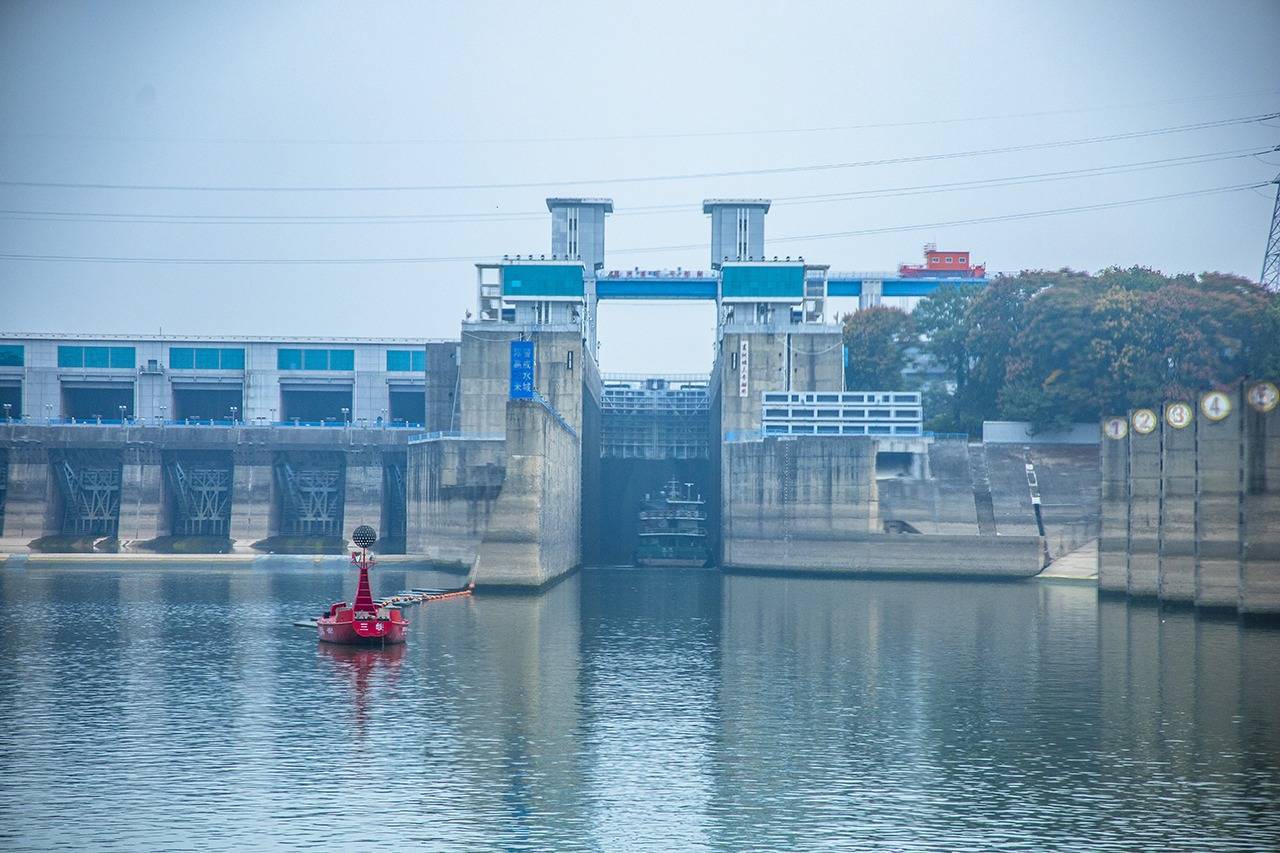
[(737, 228), (577, 229)]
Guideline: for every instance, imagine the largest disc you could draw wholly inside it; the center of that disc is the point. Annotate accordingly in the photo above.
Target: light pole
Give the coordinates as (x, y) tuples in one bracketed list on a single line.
[(8, 412), (383, 419), (163, 409), (122, 407), (346, 416), (48, 413), (234, 411)]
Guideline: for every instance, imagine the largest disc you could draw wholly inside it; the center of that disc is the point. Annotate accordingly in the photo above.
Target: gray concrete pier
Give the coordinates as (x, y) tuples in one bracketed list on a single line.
[(1207, 494)]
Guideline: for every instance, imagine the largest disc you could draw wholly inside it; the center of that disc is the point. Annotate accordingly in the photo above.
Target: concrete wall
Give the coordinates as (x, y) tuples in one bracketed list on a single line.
[(1019, 432), (896, 554), (451, 487), (1191, 515), (533, 535), (942, 503), (1177, 522), (1218, 509), (788, 488), (1260, 571), (253, 497), (143, 511), (1144, 514), (780, 358), (485, 373), (1113, 534)]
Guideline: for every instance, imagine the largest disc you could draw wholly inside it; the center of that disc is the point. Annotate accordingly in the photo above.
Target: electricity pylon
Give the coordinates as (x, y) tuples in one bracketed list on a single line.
[(1271, 261)]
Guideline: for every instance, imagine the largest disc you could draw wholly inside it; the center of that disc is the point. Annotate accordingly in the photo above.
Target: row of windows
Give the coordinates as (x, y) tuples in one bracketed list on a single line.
[(316, 359), (809, 398), (216, 358), (11, 355), (206, 358), (882, 414), (960, 260), (78, 356), (406, 359)]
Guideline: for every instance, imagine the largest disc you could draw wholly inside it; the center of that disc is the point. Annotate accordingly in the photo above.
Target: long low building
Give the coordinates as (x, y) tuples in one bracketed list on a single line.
[(406, 382)]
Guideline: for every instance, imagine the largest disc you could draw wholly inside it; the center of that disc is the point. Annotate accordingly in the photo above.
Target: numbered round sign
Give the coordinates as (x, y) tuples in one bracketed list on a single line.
[(1178, 415), (1215, 405), (1264, 396), (1144, 421), (1115, 428)]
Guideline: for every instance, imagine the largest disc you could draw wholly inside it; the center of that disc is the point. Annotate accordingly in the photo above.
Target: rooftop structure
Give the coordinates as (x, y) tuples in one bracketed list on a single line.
[(47, 377)]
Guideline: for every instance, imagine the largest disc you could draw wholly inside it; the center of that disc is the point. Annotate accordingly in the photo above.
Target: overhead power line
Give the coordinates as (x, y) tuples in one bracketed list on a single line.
[(1034, 214), (650, 136), (777, 170), (518, 216)]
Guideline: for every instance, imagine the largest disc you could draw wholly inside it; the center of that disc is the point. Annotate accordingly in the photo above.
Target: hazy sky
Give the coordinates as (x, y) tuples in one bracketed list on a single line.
[(307, 94)]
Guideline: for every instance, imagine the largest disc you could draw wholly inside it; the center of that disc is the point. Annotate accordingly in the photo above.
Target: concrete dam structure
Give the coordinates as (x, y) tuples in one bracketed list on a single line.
[(1191, 502), (508, 454)]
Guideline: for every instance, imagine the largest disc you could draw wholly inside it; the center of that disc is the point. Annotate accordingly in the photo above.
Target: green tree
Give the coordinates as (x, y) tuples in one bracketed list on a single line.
[(1128, 338), (876, 340), (942, 320)]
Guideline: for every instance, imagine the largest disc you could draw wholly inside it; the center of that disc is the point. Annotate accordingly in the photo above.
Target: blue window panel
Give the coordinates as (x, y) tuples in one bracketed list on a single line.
[(315, 359), (418, 361), (206, 358), (542, 280), (97, 357), (397, 359), (289, 359), (70, 356), (233, 359), (768, 281), (181, 358), (11, 355), (342, 359), (124, 357)]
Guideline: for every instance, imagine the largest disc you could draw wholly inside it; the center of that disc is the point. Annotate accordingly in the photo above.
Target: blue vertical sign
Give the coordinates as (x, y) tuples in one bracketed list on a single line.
[(521, 370)]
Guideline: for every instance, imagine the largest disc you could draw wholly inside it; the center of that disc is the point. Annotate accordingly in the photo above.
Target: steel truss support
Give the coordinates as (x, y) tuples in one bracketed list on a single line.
[(89, 482), (201, 496), (312, 487)]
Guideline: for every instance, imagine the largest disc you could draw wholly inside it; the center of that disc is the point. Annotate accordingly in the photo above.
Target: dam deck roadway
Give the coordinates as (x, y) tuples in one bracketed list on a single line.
[(681, 284)]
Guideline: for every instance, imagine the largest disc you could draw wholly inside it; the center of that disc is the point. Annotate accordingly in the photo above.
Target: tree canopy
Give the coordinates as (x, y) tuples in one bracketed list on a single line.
[(1058, 347), (876, 341)]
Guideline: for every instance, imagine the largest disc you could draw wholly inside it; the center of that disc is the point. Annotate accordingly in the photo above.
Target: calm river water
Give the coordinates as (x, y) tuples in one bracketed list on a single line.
[(156, 708)]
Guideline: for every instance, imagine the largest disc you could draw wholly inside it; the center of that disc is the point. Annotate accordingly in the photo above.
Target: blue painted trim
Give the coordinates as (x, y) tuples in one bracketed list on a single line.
[(657, 289)]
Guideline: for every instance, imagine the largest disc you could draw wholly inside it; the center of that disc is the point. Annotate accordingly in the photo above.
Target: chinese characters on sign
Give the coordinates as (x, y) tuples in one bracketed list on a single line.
[(521, 370), (743, 353)]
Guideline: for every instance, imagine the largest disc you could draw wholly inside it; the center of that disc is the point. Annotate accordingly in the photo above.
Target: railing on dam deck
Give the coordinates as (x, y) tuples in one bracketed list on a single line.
[(359, 423), (441, 435)]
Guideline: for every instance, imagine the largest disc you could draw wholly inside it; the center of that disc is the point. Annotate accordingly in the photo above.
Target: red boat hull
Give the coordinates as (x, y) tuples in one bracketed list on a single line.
[(342, 628)]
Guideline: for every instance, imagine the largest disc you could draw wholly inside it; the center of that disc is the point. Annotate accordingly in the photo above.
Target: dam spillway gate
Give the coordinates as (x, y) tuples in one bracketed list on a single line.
[(200, 486), (311, 492), (89, 486)]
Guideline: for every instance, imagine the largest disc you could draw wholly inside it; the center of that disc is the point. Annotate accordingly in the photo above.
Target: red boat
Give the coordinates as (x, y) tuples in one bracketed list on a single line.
[(365, 622)]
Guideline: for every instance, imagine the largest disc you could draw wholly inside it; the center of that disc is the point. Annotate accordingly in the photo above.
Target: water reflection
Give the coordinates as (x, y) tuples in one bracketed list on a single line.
[(358, 664), (179, 707)]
